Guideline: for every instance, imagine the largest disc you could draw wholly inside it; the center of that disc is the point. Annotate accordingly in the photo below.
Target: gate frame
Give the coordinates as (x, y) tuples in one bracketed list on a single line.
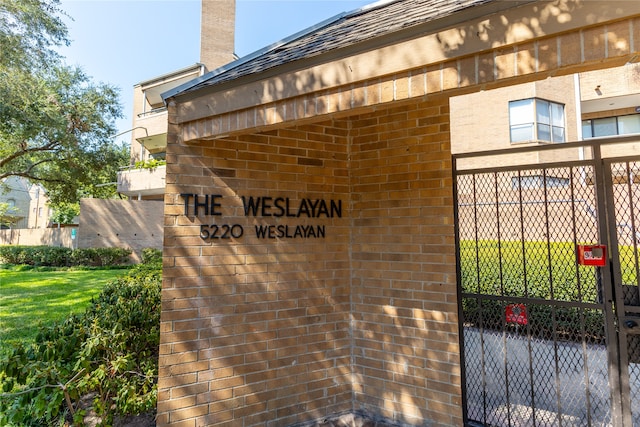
[(618, 365)]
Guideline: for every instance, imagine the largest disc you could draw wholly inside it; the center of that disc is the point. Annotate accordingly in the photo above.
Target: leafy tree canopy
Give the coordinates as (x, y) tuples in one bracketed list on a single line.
[(55, 123)]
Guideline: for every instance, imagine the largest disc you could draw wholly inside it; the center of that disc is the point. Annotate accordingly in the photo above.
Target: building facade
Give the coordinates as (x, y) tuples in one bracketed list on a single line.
[(27, 204), (310, 247), (144, 179)]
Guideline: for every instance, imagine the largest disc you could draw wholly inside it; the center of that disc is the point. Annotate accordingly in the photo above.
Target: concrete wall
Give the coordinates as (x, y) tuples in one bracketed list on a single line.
[(135, 224), (37, 237)]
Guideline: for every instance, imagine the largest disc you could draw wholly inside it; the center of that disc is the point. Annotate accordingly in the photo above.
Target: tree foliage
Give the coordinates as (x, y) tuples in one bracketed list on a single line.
[(55, 122)]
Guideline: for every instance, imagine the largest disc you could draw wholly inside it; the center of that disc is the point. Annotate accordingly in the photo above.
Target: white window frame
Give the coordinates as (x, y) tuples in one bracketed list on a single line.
[(536, 120)]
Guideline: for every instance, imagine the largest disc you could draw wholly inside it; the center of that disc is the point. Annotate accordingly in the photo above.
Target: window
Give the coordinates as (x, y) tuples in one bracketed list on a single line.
[(538, 181), (611, 126), (536, 120)]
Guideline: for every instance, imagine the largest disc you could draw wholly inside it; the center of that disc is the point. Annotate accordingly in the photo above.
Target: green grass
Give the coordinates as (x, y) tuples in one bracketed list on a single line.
[(32, 298), (546, 271)]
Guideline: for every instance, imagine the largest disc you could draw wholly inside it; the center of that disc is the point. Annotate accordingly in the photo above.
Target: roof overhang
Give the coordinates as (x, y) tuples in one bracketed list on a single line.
[(153, 88), (194, 88), (485, 37)]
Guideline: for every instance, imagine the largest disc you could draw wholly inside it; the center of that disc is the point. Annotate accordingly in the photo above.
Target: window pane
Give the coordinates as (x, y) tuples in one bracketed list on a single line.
[(586, 129), (605, 127), (521, 112), (543, 114), (544, 132), (629, 124), (557, 115), (558, 134), (522, 133)]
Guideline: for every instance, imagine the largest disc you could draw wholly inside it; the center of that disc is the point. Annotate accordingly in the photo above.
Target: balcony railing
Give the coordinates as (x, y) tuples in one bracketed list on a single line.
[(142, 182), (152, 112)]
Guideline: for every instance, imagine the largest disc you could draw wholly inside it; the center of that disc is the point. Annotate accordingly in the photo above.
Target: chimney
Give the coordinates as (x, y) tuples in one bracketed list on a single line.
[(217, 31)]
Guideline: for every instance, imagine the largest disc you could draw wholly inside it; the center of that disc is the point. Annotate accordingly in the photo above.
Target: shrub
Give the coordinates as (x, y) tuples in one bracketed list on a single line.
[(109, 352), (100, 257), (544, 273), (151, 255), (52, 256), (35, 255)]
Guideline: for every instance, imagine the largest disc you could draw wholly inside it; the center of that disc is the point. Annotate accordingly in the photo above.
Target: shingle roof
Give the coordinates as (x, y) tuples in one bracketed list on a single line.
[(341, 31)]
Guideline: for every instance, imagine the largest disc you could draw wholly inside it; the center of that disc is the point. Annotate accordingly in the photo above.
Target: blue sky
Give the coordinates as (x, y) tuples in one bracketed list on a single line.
[(124, 42)]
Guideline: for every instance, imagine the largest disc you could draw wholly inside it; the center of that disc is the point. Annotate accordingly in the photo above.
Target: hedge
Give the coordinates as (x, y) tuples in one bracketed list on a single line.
[(52, 256)]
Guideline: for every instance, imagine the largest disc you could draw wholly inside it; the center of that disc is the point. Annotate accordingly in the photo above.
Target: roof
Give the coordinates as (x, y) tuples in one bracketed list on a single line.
[(341, 31)]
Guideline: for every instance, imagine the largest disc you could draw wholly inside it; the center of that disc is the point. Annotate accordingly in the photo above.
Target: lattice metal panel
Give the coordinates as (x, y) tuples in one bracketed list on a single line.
[(534, 335), (625, 195)]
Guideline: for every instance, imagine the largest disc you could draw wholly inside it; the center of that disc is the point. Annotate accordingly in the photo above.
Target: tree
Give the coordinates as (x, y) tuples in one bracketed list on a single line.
[(55, 123), (7, 215), (64, 213)]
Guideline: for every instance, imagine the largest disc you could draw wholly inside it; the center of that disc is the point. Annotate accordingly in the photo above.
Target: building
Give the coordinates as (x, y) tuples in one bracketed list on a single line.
[(28, 205), (137, 221), (313, 265), (144, 179), (590, 104)]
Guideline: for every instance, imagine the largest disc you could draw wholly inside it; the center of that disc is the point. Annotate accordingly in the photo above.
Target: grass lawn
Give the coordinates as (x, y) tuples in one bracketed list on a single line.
[(32, 298)]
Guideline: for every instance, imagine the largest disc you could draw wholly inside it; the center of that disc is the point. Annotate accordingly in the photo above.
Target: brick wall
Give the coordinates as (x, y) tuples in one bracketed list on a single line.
[(406, 356), (274, 332), (217, 32), (256, 329), (281, 331)]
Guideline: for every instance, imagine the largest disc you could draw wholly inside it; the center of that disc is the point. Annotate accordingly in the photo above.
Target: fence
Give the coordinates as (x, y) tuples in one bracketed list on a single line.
[(38, 236)]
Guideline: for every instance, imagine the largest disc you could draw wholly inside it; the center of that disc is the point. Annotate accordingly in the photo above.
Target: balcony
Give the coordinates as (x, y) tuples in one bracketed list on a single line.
[(142, 183), (151, 130)]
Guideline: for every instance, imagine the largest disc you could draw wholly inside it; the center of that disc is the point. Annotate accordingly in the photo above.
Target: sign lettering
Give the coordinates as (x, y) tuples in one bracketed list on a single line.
[(199, 205)]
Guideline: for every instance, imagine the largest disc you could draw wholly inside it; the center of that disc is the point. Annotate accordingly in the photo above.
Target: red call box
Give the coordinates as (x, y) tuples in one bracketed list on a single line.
[(516, 314), (592, 255)]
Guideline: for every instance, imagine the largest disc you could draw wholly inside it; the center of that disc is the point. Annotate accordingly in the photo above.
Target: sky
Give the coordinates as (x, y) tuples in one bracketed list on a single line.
[(125, 42)]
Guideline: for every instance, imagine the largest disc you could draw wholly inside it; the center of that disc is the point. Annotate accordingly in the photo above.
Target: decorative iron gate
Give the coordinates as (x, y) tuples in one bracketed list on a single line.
[(548, 274)]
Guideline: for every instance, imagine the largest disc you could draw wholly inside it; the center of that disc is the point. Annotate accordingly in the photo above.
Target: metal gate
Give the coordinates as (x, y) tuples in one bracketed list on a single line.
[(548, 274)]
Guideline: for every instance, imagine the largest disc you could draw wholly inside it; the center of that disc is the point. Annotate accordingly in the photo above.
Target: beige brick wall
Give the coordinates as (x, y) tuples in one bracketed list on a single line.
[(217, 32), (281, 331), (406, 355), (273, 332), (256, 329)]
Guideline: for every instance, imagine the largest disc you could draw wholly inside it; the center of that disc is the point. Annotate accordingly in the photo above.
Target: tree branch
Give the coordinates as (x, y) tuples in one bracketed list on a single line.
[(48, 147)]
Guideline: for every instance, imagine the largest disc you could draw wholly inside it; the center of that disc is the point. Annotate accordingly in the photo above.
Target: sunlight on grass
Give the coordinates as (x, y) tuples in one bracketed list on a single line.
[(29, 299)]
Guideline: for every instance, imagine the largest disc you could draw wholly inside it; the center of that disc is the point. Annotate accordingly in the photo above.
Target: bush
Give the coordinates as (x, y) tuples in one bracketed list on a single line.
[(150, 255), (100, 257), (545, 274), (35, 255), (109, 352), (51, 256)]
